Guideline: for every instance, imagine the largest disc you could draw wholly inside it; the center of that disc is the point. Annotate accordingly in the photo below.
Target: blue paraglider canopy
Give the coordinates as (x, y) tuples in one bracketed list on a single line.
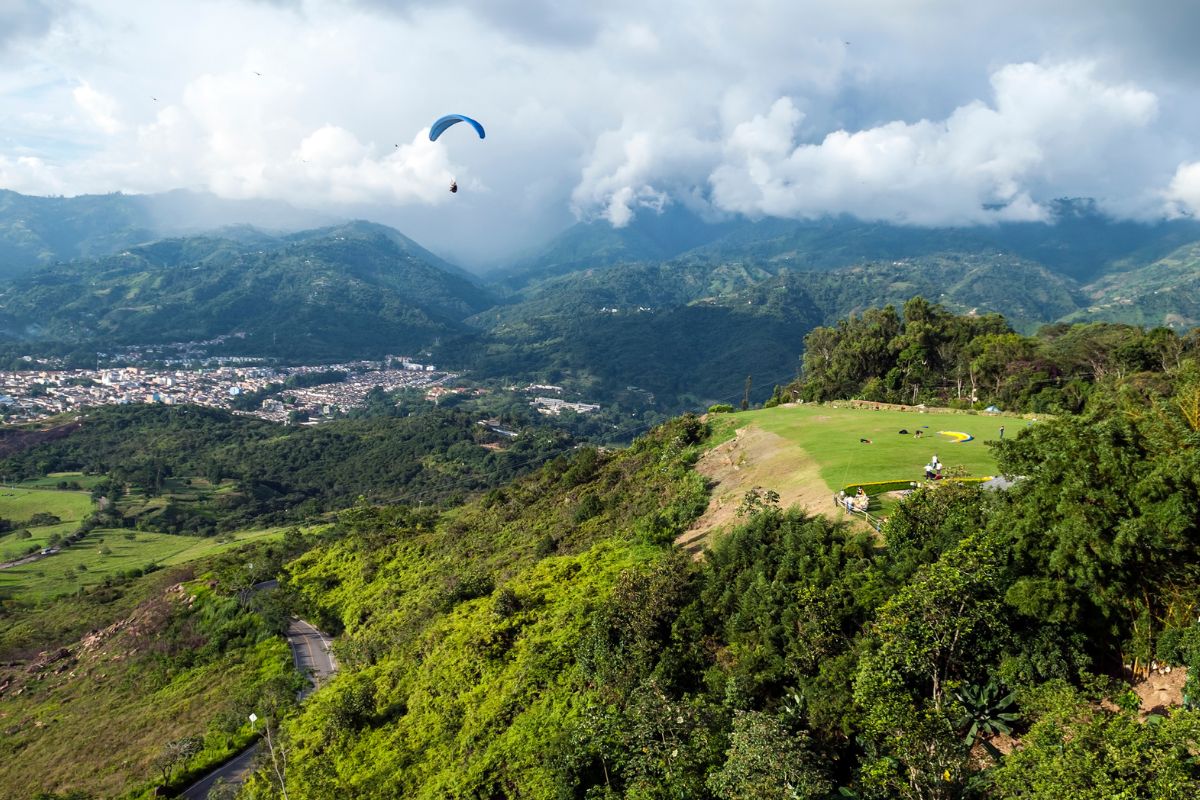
[(445, 122)]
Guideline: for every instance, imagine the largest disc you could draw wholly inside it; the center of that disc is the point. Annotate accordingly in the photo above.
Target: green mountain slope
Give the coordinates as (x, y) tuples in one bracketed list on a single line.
[(42, 230), (35, 231), (690, 331), (1165, 292), (355, 290), (548, 641), (595, 243), (1078, 242)]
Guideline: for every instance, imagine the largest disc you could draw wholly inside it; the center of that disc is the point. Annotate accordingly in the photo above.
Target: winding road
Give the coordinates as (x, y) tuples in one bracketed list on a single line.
[(312, 656), (311, 652)]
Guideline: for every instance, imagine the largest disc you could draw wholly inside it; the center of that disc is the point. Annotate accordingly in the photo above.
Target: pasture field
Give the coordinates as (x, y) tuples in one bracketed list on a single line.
[(83, 564), (830, 436), (19, 504), (52, 480)]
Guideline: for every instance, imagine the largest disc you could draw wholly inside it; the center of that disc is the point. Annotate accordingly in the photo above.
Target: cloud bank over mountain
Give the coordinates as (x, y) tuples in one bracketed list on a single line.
[(928, 113)]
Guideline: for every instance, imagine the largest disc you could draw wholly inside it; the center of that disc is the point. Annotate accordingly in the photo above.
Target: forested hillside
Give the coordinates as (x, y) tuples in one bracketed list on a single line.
[(926, 354), (549, 641), (672, 307), (350, 292), (179, 456), (35, 231)]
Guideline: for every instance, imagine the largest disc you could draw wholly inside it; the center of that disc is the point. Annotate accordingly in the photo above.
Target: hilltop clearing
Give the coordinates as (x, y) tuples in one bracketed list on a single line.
[(807, 452)]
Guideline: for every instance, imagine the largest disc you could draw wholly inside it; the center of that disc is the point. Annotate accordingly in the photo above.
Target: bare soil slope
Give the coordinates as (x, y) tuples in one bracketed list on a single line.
[(754, 458)]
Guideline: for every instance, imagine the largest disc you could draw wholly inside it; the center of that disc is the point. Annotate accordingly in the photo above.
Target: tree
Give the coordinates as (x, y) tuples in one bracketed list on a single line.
[(946, 619), (766, 761), (1103, 528), (757, 501), (176, 753), (1078, 750)]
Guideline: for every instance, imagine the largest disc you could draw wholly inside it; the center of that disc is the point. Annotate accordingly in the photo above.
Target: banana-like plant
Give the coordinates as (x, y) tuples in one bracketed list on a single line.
[(985, 714)]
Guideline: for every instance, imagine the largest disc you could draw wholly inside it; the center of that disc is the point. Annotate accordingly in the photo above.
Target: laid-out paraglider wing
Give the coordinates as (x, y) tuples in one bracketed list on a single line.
[(445, 122)]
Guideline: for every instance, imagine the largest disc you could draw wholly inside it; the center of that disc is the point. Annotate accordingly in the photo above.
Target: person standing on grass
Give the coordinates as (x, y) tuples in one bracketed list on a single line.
[(1001, 431)]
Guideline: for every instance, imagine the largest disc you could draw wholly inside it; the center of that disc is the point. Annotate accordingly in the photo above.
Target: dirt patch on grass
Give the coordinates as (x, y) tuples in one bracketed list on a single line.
[(754, 458), (1161, 690)]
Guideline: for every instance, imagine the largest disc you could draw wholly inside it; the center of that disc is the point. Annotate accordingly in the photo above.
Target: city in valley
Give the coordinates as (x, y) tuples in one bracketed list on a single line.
[(37, 394)]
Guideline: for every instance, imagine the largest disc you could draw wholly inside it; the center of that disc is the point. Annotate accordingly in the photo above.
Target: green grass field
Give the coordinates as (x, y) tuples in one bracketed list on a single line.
[(61, 574), (831, 435), (52, 480), (18, 505), (21, 504)]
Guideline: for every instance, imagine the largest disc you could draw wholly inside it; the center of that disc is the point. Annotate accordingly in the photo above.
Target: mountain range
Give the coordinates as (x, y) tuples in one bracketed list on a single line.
[(672, 306), (36, 231)]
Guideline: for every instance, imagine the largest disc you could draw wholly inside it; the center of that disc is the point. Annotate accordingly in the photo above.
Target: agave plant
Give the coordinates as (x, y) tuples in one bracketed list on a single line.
[(985, 714)]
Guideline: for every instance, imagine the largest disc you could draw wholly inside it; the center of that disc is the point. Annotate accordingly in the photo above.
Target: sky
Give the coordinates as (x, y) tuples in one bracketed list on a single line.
[(919, 112)]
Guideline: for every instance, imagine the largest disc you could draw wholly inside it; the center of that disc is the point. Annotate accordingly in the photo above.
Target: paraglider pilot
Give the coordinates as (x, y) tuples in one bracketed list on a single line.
[(453, 187)]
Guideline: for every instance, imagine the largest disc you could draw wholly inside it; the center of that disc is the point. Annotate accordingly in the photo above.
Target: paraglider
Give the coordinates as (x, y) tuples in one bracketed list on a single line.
[(440, 126), (443, 123)]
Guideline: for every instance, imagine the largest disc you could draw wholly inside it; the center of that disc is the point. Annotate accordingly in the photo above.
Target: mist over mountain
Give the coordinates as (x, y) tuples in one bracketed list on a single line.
[(640, 308), (43, 230), (1079, 241)]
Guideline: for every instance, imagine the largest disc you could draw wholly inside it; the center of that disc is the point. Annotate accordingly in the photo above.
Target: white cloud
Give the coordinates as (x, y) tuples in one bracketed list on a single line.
[(625, 166), (1183, 193), (796, 107), (1046, 125), (100, 108)]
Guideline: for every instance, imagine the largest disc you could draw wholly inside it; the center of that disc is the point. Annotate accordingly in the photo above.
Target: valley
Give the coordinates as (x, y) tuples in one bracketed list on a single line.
[(538, 567), (479, 400), (719, 303)]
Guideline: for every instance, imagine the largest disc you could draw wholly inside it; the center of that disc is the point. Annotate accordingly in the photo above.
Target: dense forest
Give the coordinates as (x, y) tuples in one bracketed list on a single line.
[(348, 292), (926, 354), (280, 474)]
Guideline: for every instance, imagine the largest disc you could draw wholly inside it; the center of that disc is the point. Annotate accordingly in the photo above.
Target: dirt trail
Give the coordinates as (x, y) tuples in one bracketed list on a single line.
[(754, 457)]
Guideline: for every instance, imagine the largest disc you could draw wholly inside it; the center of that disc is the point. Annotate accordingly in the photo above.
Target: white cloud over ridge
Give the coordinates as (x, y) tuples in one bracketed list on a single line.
[(924, 116), (1047, 124)]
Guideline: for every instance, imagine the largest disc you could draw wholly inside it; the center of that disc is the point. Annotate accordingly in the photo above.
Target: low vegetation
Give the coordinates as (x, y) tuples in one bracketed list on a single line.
[(107, 555), (170, 665)]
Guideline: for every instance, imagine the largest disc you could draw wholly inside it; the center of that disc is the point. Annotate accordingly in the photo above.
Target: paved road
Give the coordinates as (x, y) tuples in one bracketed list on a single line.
[(28, 559), (232, 772), (312, 656), (310, 650)]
